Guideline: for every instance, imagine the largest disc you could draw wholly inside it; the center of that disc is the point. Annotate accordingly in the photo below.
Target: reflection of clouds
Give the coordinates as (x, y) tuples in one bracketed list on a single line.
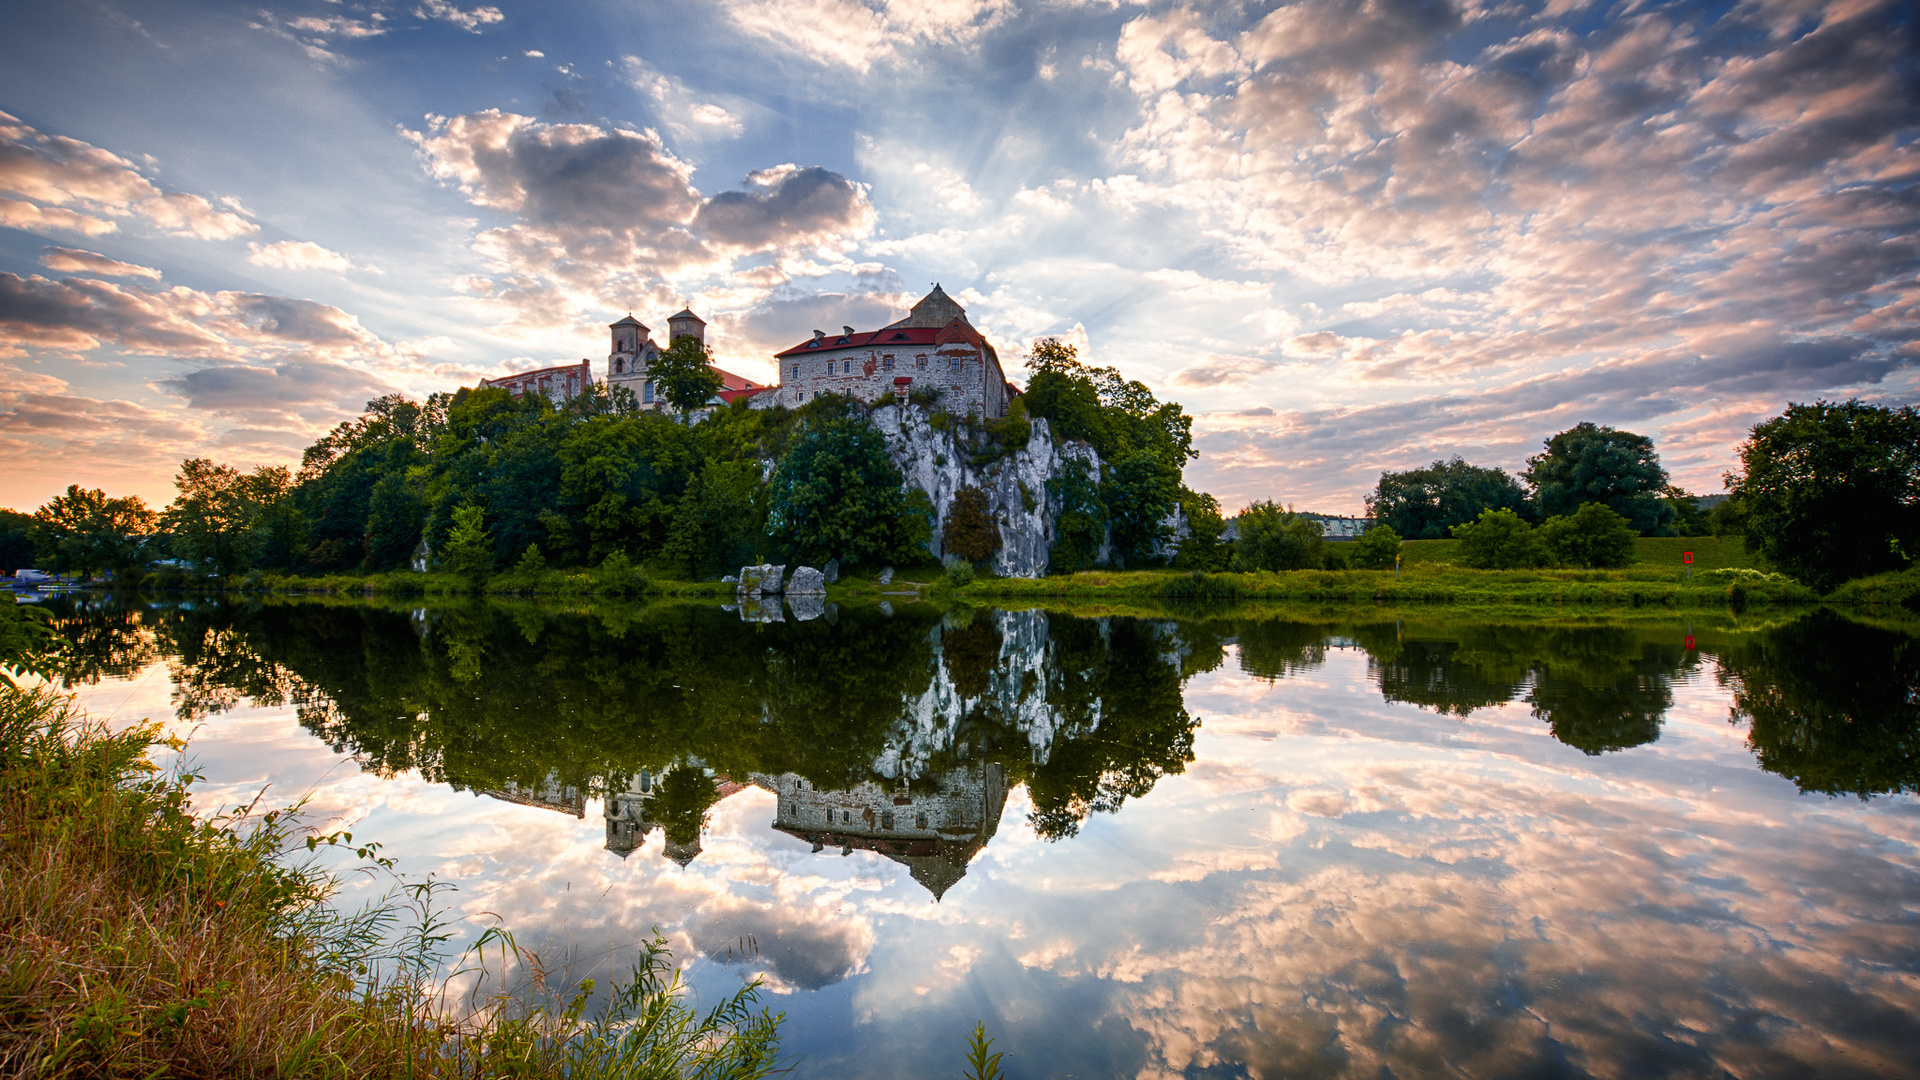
[(1336, 886)]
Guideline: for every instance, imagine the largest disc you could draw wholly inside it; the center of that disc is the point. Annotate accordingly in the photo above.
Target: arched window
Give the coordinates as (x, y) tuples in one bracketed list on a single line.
[(646, 392), (619, 364)]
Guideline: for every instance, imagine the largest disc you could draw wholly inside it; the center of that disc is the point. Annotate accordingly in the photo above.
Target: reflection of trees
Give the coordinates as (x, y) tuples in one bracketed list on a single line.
[(1834, 704), (102, 637)]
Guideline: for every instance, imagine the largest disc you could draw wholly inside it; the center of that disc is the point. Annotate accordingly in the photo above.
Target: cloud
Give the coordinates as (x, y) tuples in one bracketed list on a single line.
[(295, 394), (605, 217), (297, 255), (67, 184), (470, 20), (856, 35), (76, 261)]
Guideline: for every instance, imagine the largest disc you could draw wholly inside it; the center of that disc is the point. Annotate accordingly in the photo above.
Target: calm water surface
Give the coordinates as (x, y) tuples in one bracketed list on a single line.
[(1230, 844)]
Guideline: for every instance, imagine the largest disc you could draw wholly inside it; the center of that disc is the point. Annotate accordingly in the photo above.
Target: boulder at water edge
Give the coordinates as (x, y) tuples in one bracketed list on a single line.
[(807, 581), (762, 580)]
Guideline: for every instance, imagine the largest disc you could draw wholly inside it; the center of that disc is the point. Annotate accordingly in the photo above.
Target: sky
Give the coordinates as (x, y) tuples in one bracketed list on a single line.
[(1347, 236)]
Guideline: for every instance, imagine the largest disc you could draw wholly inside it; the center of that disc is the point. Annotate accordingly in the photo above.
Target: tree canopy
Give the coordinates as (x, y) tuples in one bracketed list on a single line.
[(1424, 504), (836, 495), (1829, 492), (1591, 463), (85, 530), (683, 374)]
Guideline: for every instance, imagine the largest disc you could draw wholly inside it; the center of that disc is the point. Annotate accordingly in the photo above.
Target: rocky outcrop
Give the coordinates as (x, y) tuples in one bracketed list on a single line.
[(762, 580), (938, 462), (806, 581)]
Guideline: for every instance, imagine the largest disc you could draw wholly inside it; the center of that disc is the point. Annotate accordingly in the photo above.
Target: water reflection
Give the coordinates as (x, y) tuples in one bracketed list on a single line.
[(1389, 846)]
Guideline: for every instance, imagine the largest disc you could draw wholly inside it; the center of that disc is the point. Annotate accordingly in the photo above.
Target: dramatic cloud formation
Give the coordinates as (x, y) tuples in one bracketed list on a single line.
[(1348, 235), (66, 184)]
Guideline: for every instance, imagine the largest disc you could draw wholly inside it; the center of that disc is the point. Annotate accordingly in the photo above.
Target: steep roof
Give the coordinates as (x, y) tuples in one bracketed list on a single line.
[(936, 309), (629, 321), (888, 337), (686, 313), (732, 388)]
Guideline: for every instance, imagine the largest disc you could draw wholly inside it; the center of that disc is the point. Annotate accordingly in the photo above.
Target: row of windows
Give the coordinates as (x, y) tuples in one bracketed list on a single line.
[(886, 819), (886, 364)]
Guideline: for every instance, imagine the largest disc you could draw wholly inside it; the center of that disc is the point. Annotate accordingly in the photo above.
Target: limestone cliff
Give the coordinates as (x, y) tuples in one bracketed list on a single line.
[(937, 462)]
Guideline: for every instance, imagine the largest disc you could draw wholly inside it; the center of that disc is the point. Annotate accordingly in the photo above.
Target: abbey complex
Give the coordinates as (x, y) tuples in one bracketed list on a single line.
[(934, 348)]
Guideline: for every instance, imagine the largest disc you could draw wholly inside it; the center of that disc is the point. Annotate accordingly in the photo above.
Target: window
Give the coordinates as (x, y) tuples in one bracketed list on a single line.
[(646, 392), (953, 363), (846, 817), (619, 364), (920, 361), (796, 371), (920, 820), (886, 362), (886, 820), (846, 367), (829, 367)]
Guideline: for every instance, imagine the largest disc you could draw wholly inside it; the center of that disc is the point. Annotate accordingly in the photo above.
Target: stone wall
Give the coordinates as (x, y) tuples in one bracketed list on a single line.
[(967, 378)]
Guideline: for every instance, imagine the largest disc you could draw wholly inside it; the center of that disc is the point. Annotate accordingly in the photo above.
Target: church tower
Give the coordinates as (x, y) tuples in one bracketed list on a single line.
[(684, 323)]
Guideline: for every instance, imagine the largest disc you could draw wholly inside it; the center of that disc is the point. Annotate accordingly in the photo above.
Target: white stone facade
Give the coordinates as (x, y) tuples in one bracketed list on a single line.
[(933, 349)]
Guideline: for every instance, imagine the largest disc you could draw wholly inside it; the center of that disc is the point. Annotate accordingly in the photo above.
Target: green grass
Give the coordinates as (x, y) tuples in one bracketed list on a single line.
[(140, 940), (1653, 552)]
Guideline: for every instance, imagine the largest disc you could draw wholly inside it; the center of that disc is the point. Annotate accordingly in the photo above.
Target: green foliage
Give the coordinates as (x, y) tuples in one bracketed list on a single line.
[(1140, 490), (1116, 416), (983, 1063), (718, 524), (1830, 492), (1590, 463), (960, 574), (1377, 549), (25, 638), (16, 541), (1689, 518), (1203, 549), (468, 550), (1424, 504), (683, 374), (836, 495), (970, 531), (531, 561), (1592, 536), (617, 576), (1500, 540), (1272, 538), (228, 521), (1005, 435), (396, 514), (84, 530), (1081, 529)]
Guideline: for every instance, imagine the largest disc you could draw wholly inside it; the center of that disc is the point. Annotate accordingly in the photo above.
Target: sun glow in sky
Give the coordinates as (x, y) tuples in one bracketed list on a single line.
[(1347, 236)]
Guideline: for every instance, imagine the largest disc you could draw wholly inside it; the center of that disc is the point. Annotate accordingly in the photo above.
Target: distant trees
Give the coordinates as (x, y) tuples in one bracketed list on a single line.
[(1202, 549), (1829, 492), (17, 531), (1424, 504), (84, 530), (227, 520), (1272, 538), (1377, 549), (1591, 463)]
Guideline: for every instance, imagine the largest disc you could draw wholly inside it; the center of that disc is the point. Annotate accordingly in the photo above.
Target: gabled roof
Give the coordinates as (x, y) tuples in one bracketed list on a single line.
[(732, 388), (629, 321), (884, 338), (686, 313)]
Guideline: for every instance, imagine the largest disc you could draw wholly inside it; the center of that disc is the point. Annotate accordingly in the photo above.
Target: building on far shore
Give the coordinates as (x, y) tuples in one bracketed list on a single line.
[(633, 354), (557, 383), (934, 348)]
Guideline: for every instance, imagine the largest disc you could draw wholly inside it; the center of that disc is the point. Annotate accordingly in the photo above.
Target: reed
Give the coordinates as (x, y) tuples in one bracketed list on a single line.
[(138, 939)]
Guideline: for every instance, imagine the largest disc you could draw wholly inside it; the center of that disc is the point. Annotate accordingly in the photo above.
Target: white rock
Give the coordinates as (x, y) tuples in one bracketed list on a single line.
[(807, 581)]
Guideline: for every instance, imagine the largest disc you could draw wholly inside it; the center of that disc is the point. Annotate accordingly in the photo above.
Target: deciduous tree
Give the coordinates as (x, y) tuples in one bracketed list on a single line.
[(1593, 463), (1500, 540), (1592, 537), (86, 531), (683, 374), (1423, 504), (1273, 538)]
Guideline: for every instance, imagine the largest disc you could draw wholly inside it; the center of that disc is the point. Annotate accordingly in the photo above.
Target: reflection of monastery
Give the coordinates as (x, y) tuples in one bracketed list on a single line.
[(934, 348), (933, 834)]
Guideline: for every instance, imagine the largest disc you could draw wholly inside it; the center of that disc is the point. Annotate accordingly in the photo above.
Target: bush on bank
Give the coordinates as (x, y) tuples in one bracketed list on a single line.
[(138, 939)]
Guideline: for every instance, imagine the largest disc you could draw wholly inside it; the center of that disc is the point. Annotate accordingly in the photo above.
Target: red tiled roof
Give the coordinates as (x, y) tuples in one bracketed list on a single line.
[(883, 338), (734, 387)]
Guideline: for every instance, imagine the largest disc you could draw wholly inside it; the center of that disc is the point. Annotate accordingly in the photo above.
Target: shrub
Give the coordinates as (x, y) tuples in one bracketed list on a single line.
[(959, 574), (970, 531), (1592, 536), (1377, 548), (469, 551), (1275, 539), (616, 576), (1500, 540)]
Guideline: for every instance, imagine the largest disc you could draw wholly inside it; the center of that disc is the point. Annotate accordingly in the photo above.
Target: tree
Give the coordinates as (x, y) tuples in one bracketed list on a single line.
[(683, 374), (17, 531), (468, 551), (1140, 490), (1592, 536), (1500, 540), (1423, 504), (1080, 530), (1203, 549), (1377, 548), (1830, 492), (86, 531), (836, 495), (1592, 463), (216, 517), (1271, 538), (970, 531)]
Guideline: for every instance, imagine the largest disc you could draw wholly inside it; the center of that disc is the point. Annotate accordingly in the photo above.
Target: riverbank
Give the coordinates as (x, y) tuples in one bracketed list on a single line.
[(138, 939)]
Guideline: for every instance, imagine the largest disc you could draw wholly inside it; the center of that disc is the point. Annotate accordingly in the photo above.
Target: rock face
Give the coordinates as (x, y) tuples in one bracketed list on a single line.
[(937, 462), (762, 580), (806, 581)]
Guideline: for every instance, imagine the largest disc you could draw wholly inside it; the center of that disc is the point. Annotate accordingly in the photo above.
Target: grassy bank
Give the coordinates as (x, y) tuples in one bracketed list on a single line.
[(139, 940), (1650, 553), (1430, 584)]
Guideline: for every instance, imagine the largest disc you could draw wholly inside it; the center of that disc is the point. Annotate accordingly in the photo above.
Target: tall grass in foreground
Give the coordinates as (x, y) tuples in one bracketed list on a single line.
[(138, 940)]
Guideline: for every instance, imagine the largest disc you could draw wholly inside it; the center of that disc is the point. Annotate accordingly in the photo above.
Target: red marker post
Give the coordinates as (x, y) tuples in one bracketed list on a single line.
[(1687, 557)]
